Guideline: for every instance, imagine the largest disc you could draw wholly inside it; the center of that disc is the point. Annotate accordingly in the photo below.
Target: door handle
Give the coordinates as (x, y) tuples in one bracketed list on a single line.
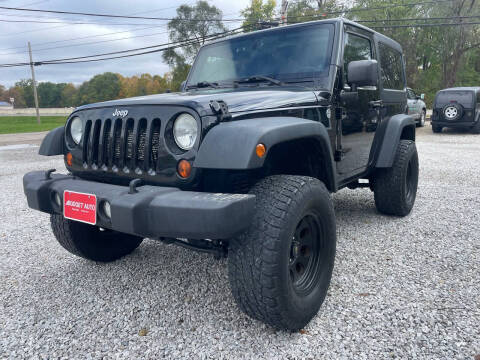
[(376, 104)]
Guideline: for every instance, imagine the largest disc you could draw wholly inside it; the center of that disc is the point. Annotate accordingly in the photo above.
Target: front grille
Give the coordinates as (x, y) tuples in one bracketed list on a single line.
[(121, 144)]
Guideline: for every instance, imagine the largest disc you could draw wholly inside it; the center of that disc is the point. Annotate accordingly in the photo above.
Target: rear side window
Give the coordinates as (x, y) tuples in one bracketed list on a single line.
[(356, 48), (391, 64)]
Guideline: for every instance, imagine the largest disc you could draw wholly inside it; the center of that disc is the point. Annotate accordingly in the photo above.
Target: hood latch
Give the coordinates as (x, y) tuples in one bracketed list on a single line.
[(220, 108)]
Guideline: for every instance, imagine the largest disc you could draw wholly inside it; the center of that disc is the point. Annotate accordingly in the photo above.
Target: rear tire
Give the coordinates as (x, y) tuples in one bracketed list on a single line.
[(280, 268), (436, 128), (395, 188), (90, 242)]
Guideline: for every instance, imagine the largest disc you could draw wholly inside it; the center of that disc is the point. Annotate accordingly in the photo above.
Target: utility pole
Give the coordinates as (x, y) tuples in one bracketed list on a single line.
[(34, 83), (283, 20)]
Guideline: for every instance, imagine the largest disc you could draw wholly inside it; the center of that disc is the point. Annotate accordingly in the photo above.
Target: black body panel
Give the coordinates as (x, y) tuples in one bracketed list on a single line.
[(246, 98)]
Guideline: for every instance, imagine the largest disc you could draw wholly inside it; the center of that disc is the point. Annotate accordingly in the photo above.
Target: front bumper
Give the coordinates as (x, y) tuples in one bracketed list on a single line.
[(153, 211)]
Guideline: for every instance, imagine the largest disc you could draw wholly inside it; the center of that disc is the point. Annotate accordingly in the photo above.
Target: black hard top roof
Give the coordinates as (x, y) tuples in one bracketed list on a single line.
[(386, 40), (464, 88)]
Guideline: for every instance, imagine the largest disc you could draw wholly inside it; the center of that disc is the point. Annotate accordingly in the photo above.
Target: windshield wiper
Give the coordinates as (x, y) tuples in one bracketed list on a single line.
[(257, 79), (203, 84)]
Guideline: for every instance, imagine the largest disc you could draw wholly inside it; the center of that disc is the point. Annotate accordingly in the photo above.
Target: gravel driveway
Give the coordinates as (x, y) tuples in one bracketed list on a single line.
[(402, 287)]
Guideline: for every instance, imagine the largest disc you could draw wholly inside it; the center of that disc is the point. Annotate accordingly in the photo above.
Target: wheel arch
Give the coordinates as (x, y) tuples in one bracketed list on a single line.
[(399, 127), (53, 142), (231, 145)]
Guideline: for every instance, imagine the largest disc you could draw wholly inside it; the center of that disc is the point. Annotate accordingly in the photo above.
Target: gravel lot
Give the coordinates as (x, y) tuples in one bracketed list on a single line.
[(402, 287)]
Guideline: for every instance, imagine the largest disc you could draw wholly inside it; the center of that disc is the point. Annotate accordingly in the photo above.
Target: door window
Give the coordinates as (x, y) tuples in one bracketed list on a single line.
[(356, 48)]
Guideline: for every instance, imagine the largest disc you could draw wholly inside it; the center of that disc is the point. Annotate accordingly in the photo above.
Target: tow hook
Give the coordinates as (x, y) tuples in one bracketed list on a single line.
[(48, 173), (133, 186)]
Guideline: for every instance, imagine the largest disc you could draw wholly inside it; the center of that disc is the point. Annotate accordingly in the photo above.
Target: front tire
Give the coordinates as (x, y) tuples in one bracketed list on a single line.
[(395, 188), (280, 268), (89, 242)]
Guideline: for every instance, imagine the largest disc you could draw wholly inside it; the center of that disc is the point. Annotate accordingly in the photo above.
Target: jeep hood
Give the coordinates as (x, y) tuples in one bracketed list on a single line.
[(238, 100)]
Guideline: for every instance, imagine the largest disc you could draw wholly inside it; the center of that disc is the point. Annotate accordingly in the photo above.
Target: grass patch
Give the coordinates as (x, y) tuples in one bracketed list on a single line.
[(23, 124)]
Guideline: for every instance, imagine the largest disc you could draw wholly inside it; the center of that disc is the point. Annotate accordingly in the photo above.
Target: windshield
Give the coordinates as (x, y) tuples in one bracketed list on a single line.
[(464, 98), (287, 54)]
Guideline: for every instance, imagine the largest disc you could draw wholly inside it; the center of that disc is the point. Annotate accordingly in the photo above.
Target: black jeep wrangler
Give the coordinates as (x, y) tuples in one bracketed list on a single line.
[(457, 108), (242, 161)]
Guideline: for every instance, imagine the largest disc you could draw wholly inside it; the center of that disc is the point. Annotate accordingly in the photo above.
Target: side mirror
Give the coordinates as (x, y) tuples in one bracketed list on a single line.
[(422, 96), (182, 85), (362, 73)]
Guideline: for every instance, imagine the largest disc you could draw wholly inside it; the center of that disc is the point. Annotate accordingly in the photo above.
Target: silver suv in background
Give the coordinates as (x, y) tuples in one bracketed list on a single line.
[(416, 107)]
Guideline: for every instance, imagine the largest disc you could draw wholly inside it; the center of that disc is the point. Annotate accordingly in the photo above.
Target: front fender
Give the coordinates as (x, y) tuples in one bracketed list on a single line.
[(231, 145), (391, 138), (52, 143)]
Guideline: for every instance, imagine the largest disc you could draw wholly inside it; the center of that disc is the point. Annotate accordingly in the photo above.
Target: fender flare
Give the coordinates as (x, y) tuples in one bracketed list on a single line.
[(231, 145), (52, 143), (391, 138)]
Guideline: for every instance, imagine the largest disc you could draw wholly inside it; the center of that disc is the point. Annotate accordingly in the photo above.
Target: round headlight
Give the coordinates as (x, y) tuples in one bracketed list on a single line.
[(185, 131), (76, 129)]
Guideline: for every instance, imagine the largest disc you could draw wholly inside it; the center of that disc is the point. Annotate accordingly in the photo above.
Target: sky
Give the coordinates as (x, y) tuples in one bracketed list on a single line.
[(14, 36)]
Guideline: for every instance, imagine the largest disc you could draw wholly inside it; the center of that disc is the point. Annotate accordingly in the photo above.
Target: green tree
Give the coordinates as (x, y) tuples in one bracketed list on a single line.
[(49, 94), (308, 10), (68, 96), (258, 12), (192, 22), (25, 88), (101, 87)]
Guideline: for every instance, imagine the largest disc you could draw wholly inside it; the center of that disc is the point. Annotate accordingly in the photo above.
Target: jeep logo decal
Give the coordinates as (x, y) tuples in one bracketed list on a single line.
[(121, 113)]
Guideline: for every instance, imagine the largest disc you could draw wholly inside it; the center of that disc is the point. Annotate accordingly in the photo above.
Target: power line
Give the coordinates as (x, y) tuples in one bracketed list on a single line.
[(177, 44), (419, 19), (81, 38), (423, 25), (78, 22), (88, 43), (339, 12), (111, 15)]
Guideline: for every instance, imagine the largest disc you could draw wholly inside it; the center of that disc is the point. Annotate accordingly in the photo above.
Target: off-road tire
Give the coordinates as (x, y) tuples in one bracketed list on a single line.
[(89, 242), (260, 260), (436, 128), (395, 188)]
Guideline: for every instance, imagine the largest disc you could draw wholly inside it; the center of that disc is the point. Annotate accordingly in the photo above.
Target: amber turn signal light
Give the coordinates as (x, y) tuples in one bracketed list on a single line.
[(184, 169), (69, 158), (260, 150)]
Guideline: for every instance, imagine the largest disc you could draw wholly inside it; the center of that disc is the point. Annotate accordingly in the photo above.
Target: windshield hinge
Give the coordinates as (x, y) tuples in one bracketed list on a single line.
[(220, 108)]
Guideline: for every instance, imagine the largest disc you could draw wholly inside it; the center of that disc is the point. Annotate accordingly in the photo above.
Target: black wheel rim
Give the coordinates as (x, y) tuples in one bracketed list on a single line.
[(305, 254), (409, 182)]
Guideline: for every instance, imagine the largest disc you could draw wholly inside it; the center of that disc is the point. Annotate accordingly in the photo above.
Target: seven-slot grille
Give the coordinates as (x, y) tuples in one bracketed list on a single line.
[(121, 144)]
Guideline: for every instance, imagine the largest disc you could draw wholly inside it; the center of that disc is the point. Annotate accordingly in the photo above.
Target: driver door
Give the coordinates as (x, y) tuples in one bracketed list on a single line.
[(359, 120)]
